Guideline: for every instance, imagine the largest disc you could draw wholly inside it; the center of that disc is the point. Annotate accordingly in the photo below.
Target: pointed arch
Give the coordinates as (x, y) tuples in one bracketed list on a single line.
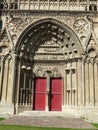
[(38, 26)]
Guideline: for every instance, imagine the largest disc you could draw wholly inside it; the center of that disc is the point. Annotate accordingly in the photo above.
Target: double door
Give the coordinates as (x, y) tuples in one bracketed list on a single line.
[(54, 94)]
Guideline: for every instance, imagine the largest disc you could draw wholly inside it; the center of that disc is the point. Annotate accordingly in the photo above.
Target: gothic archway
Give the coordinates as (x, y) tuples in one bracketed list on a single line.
[(48, 53)]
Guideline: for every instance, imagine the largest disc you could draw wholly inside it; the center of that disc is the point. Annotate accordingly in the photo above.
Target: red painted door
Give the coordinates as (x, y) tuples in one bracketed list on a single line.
[(56, 94), (39, 94)]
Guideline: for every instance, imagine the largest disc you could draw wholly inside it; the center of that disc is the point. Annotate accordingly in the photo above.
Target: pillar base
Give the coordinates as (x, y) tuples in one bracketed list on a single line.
[(47, 108), (6, 108)]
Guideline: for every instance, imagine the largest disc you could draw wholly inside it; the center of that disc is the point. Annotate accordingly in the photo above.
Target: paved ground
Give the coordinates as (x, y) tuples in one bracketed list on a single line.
[(56, 121)]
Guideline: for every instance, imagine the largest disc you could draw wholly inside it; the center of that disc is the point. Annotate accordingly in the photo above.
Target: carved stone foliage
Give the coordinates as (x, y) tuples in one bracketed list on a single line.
[(4, 38), (15, 27), (83, 29), (81, 26)]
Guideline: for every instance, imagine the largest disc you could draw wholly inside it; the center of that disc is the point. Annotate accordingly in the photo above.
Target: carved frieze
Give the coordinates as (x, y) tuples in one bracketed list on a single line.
[(42, 70)]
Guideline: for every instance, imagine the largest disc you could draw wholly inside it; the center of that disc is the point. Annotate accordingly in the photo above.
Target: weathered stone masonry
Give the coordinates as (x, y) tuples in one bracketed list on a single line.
[(50, 41)]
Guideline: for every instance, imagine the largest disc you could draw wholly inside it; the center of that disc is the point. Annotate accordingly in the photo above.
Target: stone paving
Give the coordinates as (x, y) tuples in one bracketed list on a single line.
[(50, 121)]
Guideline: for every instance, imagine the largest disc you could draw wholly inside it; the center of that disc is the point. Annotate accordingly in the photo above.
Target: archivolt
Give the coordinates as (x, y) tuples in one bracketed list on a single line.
[(48, 29)]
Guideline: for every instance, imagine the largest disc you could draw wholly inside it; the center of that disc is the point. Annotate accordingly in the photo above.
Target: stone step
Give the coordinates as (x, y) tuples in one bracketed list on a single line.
[(43, 113)]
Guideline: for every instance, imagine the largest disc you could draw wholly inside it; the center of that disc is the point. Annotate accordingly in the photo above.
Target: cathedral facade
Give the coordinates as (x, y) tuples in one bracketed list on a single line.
[(48, 56)]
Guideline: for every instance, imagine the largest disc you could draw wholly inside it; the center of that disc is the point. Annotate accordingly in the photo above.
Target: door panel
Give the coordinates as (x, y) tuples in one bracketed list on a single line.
[(39, 94), (56, 94)]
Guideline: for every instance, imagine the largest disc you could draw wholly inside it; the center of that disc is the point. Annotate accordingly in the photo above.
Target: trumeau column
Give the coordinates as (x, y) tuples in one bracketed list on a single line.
[(47, 92)]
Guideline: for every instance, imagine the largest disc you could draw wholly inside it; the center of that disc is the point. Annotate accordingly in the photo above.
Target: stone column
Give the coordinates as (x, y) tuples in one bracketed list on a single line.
[(71, 85), (24, 88), (18, 85), (96, 82), (96, 90), (58, 4), (83, 83), (86, 84), (18, 4), (6, 105), (47, 93), (4, 83), (48, 4), (1, 77), (79, 67), (88, 3), (32, 89), (77, 82), (38, 4), (93, 83), (68, 5), (65, 89), (12, 82), (28, 4), (78, 5), (92, 86)]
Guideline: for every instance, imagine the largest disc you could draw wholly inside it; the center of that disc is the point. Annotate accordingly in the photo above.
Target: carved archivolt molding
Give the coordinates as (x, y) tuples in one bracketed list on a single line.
[(47, 40), (81, 26)]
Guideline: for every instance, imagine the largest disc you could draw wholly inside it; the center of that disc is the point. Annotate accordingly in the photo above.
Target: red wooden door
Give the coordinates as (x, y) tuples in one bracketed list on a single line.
[(39, 94), (56, 94)]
